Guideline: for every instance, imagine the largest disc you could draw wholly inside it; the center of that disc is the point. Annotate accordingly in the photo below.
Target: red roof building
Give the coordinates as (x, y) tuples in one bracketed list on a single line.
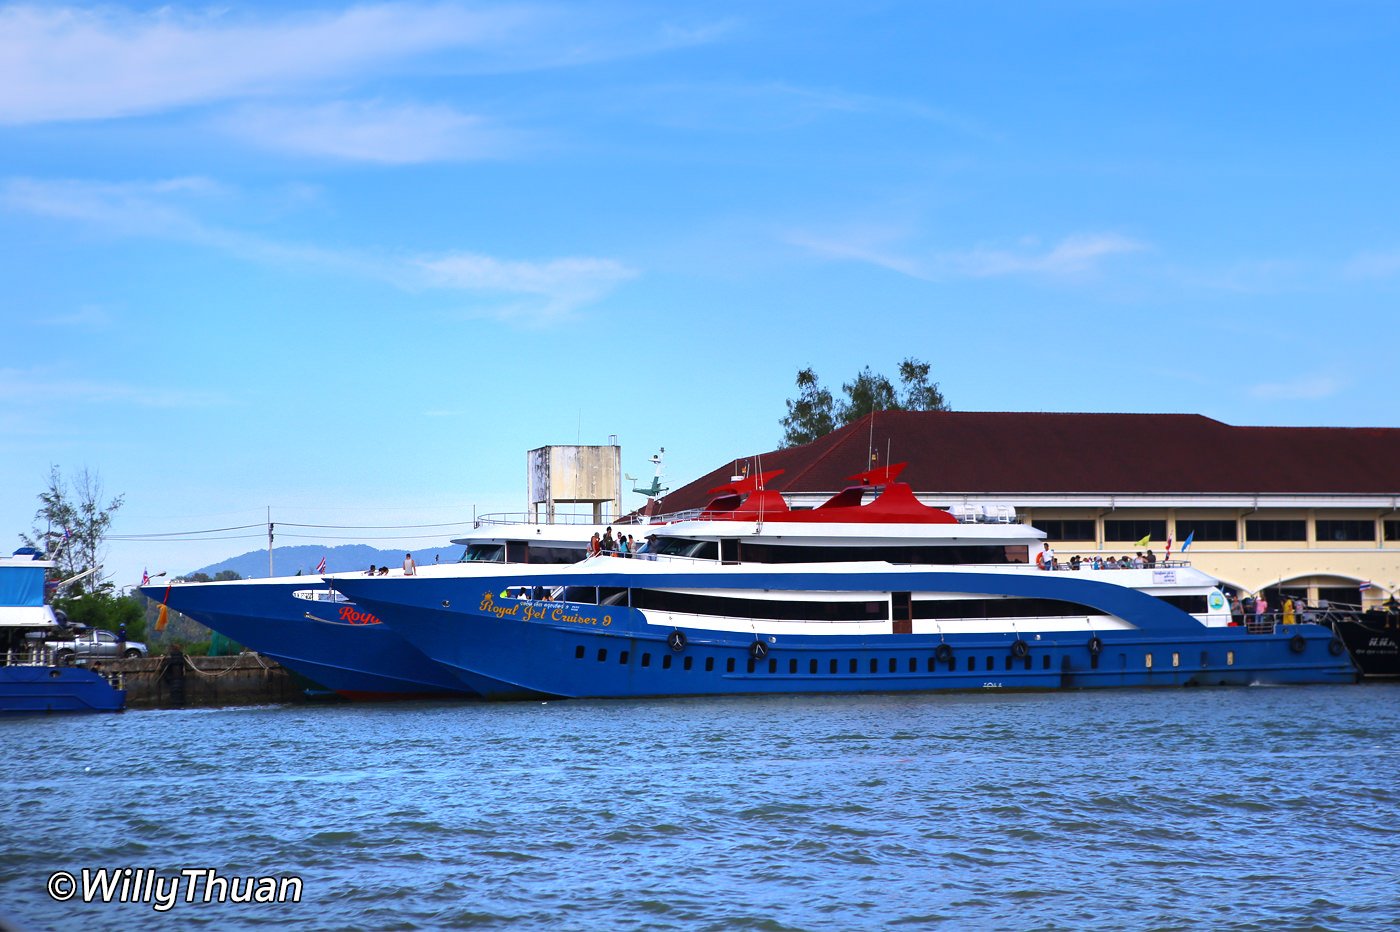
[(1307, 511)]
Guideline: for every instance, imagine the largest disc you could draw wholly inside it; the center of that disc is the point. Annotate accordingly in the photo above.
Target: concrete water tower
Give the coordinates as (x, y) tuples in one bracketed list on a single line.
[(576, 475)]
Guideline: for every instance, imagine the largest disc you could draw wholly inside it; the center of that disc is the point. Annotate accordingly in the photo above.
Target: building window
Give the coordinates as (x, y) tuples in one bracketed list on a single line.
[(1135, 530), (1206, 530), (1275, 530), (1392, 530), (1330, 530), (1063, 529)]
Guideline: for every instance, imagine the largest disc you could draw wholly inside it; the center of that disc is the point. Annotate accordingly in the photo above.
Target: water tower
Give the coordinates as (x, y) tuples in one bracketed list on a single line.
[(575, 475)]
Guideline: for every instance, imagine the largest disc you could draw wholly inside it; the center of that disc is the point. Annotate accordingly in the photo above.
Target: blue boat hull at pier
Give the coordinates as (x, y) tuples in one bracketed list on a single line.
[(527, 648), (339, 647), (33, 690)]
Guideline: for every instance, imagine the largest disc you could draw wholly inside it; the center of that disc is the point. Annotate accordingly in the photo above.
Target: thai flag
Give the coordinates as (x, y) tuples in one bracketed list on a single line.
[(321, 567), (1190, 539), (145, 577), (1364, 586)]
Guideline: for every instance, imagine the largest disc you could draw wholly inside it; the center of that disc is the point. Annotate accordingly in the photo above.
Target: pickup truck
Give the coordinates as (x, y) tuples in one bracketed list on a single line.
[(93, 644)]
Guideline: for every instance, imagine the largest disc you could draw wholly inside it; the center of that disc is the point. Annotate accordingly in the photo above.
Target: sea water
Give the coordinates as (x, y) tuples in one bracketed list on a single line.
[(1244, 808)]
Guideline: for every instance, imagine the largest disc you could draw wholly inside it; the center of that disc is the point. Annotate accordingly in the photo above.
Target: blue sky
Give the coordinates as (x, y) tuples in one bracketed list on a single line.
[(352, 261)]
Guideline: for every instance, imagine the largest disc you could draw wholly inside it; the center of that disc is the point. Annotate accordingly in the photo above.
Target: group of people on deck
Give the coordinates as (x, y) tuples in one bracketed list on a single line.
[(1046, 560), (623, 545)]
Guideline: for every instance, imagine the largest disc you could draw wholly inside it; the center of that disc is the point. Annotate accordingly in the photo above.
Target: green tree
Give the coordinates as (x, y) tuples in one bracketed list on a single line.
[(71, 526), (810, 415), (104, 610), (814, 413)]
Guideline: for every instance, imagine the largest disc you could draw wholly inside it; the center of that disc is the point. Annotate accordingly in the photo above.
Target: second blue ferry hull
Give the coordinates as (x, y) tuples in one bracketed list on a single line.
[(506, 650), (360, 660)]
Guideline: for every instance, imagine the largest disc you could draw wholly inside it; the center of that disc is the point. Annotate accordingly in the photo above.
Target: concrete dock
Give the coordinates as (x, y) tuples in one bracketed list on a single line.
[(179, 681)]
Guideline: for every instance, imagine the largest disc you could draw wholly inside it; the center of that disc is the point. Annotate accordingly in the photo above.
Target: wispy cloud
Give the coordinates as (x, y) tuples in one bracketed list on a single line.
[(40, 385), (552, 289), (1308, 388), (89, 317), (529, 292), (1075, 255), (372, 131), (68, 63), (1383, 264), (72, 63)]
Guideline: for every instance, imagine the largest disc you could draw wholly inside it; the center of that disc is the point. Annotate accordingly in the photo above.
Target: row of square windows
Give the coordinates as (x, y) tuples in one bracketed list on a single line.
[(853, 664), (1124, 531)]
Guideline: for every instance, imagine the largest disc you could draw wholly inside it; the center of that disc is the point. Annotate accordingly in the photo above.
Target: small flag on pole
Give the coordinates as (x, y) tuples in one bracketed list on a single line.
[(1146, 539), (1364, 586), (1169, 549), (145, 577), (1190, 539), (321, 567)]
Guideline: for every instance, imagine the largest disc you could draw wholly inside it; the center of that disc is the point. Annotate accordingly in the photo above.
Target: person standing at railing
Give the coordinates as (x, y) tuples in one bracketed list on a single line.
[(1261, 608), (609, 545), (1289, 611), (595, 545)]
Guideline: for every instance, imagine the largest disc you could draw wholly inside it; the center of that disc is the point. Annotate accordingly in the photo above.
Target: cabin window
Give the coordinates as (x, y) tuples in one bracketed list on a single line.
[(874, 665), (665, 661), (833, 665), (1045, 661), (792, 665), (622, 657), (578, 652), (729, 665), (1191, 604), (602, 654), (894, 665), (1001, 608), (771, 609), (646, 660), (772, 666), (709, 664), (812, 667), (688, 662)]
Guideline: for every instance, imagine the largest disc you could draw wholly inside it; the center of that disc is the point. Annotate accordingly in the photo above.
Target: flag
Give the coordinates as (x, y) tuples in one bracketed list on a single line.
[(145, 577), (1146, 539), (1168, 557), (1190, 539), (1364, 586), (321, 567)]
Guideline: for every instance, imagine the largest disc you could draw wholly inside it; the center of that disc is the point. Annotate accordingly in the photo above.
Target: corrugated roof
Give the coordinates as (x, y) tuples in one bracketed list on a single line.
[(1027, 452)]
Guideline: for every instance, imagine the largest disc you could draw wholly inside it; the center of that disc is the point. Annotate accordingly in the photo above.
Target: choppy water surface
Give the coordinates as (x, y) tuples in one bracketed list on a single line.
[(1227, 809)]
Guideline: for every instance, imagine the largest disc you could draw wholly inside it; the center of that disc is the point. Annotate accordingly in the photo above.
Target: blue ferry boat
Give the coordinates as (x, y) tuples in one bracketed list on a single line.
[(853, 596), (30, 681), (316, 632)]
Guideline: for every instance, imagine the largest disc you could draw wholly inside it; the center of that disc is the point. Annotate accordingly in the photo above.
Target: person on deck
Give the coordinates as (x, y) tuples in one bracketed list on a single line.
[(409, 567)]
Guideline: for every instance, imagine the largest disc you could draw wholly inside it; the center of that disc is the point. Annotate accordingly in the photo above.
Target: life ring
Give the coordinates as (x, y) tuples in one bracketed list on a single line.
[(1095, 646), (758, 650), (676, 639), (1020, 649), (1297, 644), (1335, 647), (944, 653)]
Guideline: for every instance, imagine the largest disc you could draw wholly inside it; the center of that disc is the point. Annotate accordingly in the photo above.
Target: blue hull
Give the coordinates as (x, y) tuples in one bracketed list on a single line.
[(539, 649), (40, 690), (362, 661)]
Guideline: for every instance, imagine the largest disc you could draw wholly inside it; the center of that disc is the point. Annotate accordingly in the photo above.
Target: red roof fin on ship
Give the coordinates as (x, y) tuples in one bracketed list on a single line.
[(880, 475)]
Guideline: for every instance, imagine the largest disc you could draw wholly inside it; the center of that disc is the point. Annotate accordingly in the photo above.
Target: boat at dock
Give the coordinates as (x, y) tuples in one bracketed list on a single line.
[(315, 631), (32, 681), (749, 596)]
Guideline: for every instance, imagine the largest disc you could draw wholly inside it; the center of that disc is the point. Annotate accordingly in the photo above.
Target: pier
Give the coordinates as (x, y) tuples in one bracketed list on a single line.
[(177, 681)]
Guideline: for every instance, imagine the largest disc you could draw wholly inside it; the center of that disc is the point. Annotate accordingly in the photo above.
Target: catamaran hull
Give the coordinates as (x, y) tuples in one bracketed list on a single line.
[(506, 650), (347, 652)]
